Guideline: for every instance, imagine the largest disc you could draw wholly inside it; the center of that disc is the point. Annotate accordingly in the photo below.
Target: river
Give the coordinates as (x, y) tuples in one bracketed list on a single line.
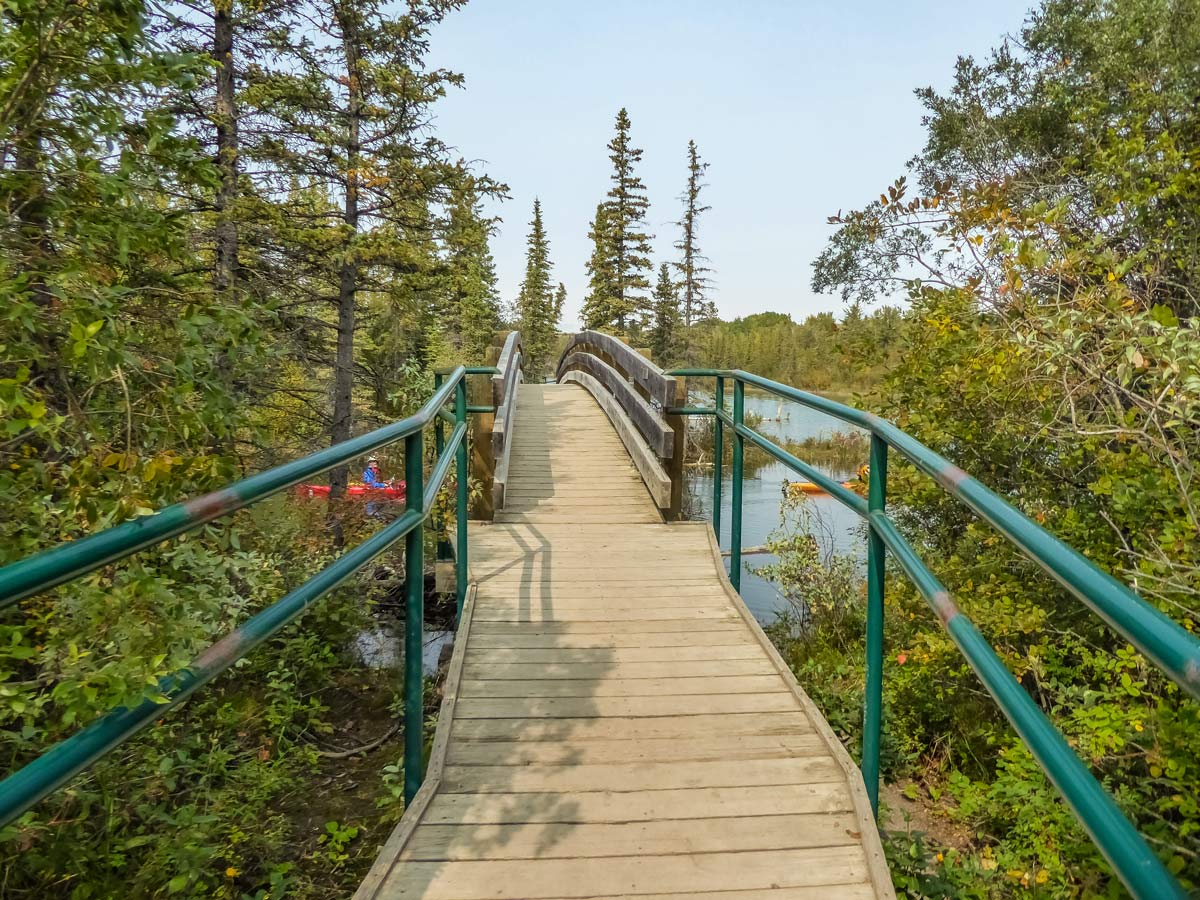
[(763, 495)]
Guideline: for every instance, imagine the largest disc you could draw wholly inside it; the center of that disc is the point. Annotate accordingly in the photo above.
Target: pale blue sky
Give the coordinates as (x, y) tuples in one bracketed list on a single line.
[(800, 108)]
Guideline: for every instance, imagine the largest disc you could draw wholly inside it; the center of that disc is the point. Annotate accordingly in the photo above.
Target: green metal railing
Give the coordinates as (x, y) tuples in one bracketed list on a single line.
[(24, 788), (1170, 647)]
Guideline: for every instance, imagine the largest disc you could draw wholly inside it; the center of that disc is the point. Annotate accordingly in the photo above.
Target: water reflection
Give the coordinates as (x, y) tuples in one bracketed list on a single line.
[(381, 646), (762, 495)]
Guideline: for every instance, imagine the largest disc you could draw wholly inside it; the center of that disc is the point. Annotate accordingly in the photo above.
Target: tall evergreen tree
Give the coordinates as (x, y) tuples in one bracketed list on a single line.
[(599, 303), (560, 300), (536, 304), (626, 210), (474, 305), (664, 325), (350, 100), (693, 274)]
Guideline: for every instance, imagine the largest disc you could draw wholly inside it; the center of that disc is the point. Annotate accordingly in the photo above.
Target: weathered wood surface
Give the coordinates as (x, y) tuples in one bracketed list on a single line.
[(504, 395), (646, 376), (651, 423), (615, 724), (654, 476)]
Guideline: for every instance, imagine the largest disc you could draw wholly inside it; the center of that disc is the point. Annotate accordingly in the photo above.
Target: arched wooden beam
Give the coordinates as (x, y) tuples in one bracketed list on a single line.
[(648, 377), (649, 422)]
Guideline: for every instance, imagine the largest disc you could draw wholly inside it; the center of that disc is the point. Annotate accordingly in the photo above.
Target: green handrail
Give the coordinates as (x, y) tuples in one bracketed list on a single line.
[(55, 767), (1163, 641)]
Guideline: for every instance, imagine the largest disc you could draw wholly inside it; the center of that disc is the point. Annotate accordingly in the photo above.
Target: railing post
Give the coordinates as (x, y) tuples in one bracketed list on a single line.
[(718, 456), (439, 444), (676, 463), (873, 705), (414, 620), (735, 513), (460, 512), (483, 462)]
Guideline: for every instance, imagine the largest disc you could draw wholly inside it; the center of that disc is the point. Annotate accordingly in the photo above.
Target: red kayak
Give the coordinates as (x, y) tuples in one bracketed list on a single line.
[(394, 491)]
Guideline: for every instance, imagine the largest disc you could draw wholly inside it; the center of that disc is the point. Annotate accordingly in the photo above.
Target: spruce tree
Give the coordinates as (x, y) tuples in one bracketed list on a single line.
[(664, 325), (474, 307), (350, 104), (536, 304), (560, 300), (626, 210), (599, 303), (693, 274)]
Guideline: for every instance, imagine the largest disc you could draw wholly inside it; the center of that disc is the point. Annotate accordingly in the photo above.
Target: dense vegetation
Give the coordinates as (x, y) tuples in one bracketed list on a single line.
[(1047, 242), (821, 353), (231, 235)]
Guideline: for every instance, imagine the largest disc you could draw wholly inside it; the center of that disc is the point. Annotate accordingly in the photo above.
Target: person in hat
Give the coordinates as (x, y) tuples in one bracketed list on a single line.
[(371, 477)]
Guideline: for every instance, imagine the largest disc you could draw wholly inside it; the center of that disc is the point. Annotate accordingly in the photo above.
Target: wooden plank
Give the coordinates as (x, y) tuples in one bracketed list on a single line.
[(700, 747), (537, 614), (614, 628), (618, 655), (580, 518), (638, 806), (844, 892), (574, 707), (682, 728), (625, 580), (729, 637), (641, 776), (531, 879), (614, 603), (558, 840), (621, 687), (542, 671), (596, 573)]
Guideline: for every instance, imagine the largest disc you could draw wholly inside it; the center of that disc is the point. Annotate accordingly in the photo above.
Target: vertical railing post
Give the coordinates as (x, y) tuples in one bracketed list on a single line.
[(718, 454), (873, 702), (439, 445), (460, 510), (414, 619), (676, 463), (735, 512)]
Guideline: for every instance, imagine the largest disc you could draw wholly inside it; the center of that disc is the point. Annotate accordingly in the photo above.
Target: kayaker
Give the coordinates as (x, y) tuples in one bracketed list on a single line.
[(371, 477)]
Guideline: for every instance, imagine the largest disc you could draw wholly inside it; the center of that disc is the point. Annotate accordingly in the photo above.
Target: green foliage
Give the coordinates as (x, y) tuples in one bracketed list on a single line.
[(1048, 253), (473, 301), (598, 308), (694, 280), (620, 264), (538, 303), (132, 377), (819, 353), (664, 327)]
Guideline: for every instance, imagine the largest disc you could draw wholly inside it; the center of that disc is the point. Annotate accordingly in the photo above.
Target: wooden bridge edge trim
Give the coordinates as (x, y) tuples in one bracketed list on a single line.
[(877, 867), (389, 854)]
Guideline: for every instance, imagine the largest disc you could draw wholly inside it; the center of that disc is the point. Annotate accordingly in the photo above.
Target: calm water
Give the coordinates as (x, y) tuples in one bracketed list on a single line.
[(762, 495)]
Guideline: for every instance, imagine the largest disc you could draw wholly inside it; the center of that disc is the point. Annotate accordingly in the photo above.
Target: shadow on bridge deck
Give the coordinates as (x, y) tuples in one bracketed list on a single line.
[(615, 724)]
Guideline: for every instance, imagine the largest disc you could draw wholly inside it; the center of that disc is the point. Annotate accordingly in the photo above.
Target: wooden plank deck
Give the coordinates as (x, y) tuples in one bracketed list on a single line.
[(615, 723)]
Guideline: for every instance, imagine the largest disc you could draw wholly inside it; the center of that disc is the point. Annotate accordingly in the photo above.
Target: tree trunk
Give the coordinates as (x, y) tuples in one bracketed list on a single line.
[(343, 383), (226, 251)]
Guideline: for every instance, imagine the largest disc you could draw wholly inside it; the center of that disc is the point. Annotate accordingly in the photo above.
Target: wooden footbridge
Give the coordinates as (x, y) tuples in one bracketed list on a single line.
[(615, 724)]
